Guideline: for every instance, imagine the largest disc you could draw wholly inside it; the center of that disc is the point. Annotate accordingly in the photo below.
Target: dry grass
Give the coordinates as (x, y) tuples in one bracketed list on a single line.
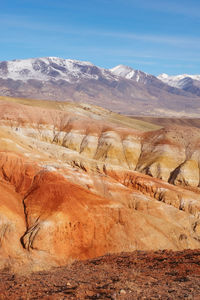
[(87, 109)]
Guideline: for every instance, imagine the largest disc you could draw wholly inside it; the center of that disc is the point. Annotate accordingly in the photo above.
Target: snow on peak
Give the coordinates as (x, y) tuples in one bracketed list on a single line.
[(48, 68), (163, 76), (123, 71), (55, 68), (129, 73), (177, 80), (65, 61)]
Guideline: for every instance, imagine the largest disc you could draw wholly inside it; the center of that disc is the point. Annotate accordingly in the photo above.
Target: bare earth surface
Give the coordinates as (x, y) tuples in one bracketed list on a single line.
[(78, 182), (136, 275), (193, 122)]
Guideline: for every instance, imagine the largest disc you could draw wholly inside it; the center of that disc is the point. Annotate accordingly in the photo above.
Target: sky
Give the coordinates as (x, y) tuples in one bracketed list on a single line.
[(155, 36)]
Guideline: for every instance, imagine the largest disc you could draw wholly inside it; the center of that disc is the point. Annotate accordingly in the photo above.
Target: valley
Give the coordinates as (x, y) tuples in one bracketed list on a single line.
[(79, 181)]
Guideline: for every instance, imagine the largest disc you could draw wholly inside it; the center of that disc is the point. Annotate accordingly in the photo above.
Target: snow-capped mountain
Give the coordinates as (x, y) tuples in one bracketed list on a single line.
[(189, 83), (51, 68), (149, 80), (123, 71), (120, 89), (129, 73), (177, 80)]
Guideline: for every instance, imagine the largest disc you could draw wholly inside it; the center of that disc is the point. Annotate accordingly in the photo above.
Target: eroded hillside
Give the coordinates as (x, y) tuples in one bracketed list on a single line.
[(78, 181)]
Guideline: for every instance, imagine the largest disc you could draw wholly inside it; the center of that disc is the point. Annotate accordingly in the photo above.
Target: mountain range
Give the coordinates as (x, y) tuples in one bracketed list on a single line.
[(188, 83), (120, 89)]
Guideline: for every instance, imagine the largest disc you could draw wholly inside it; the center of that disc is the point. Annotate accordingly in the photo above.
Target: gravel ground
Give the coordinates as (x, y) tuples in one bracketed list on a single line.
[(136, 275)]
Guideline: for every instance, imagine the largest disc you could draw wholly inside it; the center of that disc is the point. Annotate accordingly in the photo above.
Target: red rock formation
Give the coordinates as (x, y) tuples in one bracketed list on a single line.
[(74, 194)]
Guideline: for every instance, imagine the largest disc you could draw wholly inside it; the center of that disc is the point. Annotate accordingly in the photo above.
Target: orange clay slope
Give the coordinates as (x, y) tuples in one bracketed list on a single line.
[(72, 184)]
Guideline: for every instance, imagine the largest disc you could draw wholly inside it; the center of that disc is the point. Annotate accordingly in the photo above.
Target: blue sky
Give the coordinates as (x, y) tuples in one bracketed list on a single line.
[(155, 36)]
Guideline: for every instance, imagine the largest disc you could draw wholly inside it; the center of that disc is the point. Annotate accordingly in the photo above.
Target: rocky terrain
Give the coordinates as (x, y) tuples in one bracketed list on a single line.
[(136, 275), (121, 89), (78, 181)]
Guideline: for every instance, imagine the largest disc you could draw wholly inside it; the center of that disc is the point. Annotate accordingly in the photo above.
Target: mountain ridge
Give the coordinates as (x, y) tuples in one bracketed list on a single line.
[(121, 89), (186, 82)]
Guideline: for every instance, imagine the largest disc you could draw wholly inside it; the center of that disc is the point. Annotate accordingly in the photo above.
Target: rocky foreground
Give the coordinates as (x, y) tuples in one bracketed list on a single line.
[(137, 275)]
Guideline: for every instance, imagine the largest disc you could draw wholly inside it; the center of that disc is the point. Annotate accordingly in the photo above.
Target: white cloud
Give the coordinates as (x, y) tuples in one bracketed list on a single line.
[(27, 24)]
